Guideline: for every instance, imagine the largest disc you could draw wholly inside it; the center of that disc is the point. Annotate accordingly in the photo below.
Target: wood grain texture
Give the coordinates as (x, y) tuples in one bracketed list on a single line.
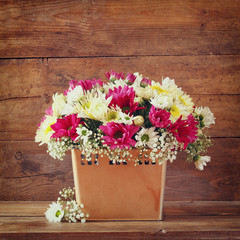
[(22, 78), (20, 226), (29, 173), (118, 28), (171, 208)]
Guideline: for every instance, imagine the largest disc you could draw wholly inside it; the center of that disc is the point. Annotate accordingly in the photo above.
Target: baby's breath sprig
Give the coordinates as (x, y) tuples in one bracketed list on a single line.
[(72, 211), (198, 147)]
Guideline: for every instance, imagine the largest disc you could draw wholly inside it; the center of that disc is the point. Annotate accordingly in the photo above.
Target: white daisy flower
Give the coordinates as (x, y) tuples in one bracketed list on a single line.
[(201, 162), (125, 118), (83, 133), (112, 115), (59, 102), (205, 115), (55, 213), (146, 137), (44, 132)]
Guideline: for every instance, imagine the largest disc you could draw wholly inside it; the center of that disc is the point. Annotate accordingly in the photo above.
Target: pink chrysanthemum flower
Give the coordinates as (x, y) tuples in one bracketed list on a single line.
[(145, 82), (123, 98), (131, 78), (49, 111), (85, 84), (89, 84), (114, 76), (159, 118), (72, 85), (185, 131), (119, 135), (66, 127)]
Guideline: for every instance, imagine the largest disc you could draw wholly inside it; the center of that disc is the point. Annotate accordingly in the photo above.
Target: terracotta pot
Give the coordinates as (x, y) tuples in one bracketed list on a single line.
[(119, 192)]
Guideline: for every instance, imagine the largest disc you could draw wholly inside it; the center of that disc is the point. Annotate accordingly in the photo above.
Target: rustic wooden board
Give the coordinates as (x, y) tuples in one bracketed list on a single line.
[(118, 28), (29, 173), (29, 111), (25, 78), (171, 208), (170, 224), (171, 228)]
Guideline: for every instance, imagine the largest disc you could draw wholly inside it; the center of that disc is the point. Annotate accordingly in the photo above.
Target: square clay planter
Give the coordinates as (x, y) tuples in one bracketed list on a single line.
[(119, 192)]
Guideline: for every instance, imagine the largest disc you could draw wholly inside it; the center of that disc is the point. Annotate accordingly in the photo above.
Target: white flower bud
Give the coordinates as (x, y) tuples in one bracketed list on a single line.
[(138, 120)]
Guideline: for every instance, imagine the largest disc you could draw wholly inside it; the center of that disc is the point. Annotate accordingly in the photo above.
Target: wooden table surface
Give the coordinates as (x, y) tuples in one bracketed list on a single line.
[(25, 220)]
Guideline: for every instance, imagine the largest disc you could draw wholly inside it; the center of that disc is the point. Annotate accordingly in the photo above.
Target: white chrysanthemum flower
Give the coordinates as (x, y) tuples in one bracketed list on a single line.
[(162, 101), (83, 133), (139, 100), (93, 106), (59, 102), (125, 118), (55, 213), (205, 115), (177, 110), (145, 93), (72, 98), (186, 101), (116, 84), (170, 86), (138, 79), (146, 137), (201, 162), (158, 88), (45, 131), (75, 95)]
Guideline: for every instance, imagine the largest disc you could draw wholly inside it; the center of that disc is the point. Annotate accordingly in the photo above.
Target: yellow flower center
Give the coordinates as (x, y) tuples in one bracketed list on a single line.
[(182, 101), (86, 105), (48, 129), (175, 111), (112, 116), (160, 90)]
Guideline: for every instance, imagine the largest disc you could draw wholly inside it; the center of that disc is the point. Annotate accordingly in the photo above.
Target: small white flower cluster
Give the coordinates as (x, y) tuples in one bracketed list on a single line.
[(66, 208), (91, 146), (117, 154), (57, 148), (195, 150), (73, 211), (164, 148)]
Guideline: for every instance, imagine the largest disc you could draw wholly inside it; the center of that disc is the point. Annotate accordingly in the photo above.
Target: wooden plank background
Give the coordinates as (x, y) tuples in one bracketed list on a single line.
[(44, 44)]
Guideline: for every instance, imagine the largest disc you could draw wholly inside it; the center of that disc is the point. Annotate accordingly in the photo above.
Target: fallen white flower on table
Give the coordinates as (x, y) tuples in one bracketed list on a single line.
[(66, 208), (55, 213), (201, 162)]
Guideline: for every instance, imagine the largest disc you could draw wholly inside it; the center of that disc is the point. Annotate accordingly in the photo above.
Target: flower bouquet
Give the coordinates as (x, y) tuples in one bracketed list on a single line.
[(128, 118)]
